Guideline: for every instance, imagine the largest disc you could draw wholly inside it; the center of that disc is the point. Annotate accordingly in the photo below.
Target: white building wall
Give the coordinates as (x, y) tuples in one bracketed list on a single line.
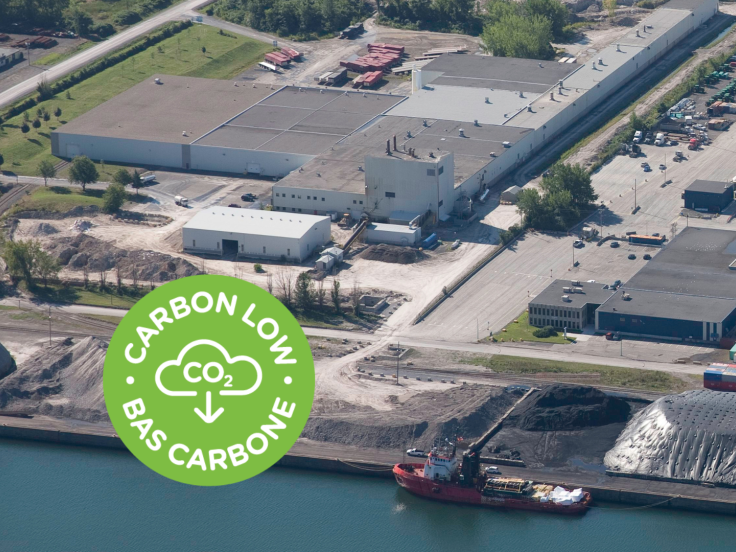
[(317, 202), (394, 234), (119, 150), (266, 163)]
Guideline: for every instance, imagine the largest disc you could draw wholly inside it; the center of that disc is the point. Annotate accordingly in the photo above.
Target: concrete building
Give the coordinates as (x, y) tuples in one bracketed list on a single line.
[(687, 291), (708, 195), (392, 234), (255, 234), (568, 304), (9, 57), (510, 194)]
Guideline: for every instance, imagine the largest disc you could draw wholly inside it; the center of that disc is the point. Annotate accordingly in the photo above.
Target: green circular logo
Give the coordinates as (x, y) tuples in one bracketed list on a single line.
[(209, 380)]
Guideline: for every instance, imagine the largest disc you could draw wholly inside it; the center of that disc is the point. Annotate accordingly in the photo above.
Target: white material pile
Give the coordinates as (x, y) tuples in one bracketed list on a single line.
[(81, 225), (565, 497)]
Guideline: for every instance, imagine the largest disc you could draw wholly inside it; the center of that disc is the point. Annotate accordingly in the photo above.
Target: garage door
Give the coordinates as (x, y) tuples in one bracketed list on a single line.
[(72, 150), (254, 168)]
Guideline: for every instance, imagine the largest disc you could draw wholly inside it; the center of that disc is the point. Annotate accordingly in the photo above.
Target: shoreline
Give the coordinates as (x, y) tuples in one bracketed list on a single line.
[(328, 457)]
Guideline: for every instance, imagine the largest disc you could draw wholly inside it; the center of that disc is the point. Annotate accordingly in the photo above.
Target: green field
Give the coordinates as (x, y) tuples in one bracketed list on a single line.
[(226, 56), (523, 331), (58, 57), (79, 296), (60, 199), (629, 378)]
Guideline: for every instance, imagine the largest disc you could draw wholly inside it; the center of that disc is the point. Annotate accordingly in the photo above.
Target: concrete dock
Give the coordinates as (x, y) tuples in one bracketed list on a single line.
[(345, 459)]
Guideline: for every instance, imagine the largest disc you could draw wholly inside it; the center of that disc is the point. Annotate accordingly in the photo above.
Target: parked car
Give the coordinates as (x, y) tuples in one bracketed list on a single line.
[(646, 167), (647, 256), (493, 469), (649, 138), (614, 244), (416, 452), (578, 243), (662, 167), (234, 205), (637, 136), (248, 197), (644, 164), (610, 336), (632, 256)]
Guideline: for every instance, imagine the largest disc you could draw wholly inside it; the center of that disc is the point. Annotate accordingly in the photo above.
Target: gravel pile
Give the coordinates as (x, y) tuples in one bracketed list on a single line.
[(83, 251)]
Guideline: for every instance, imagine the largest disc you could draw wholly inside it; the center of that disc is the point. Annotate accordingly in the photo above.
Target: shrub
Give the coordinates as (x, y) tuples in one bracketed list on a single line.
[(258, 267), (127, 18), (102, 30), (547, 331)]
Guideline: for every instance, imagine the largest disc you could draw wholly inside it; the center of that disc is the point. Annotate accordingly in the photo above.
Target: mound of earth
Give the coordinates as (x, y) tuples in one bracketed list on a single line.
[(566, 408), (83, 251), (7, 362), (392, 254), (466, 411), (63, 381), (688, 436), (43, 229)]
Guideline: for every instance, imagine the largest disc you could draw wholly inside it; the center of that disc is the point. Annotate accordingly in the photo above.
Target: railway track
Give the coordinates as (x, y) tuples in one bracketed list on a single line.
[(13, 196), (54, 332)]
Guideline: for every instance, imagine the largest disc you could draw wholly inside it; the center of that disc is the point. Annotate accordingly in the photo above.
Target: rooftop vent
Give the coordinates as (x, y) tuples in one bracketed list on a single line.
[(488, 100), (157, 80), (493, 154), (618, 47), (541, 66), (461, 133), (424, 122), (529, 108), (552, 96), (600, 61), (360, 169), (475, 122), (321, 91), (637, 32), (521, 93)]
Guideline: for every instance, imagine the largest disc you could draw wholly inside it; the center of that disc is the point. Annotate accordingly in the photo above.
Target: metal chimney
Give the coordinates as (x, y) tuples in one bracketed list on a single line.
[(388, 147), (394, 142), (552, 96)]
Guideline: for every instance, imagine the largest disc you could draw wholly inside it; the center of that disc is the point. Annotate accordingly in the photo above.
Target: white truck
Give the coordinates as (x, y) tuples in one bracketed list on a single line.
[(637, 136), (181, 201), (659, 140), (147, 177)]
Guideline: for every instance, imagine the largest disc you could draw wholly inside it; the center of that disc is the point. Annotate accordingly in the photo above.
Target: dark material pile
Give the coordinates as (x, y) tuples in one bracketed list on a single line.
[(83, 251), (392, 254), (566, 408)]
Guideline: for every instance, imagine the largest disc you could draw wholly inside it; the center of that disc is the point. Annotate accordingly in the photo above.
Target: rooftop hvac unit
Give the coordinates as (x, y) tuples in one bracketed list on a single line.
[(475, 122), (566, 298), (626, 297), (521, 93), (567, 289), (618, 47), (488, 100), (157, 80), (493, 154), (552, 96), (529, 108), (461, 132), (600, 61), (575, 282), (507, 144)]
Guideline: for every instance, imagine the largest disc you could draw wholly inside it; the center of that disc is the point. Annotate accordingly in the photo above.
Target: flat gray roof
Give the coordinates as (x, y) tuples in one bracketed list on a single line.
[(7, 51), (659, 22), (593, 293), (498, 73), (694, 263), (659, 304), (249, 221), (683, 4), (709, 186), (304, 121), (162, 112)]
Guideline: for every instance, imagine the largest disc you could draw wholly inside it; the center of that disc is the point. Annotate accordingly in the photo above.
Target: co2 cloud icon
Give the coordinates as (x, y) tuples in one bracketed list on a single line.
[(211, 372)]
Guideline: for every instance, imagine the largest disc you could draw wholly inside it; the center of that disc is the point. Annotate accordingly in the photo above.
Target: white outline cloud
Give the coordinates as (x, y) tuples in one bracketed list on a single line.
[(224, 352)]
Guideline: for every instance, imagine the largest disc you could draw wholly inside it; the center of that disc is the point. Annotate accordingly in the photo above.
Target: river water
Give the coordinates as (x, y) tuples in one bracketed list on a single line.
[(55, 498)]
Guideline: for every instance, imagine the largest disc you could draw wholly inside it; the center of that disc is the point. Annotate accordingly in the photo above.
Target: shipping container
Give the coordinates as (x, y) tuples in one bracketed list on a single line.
[(646, 240)]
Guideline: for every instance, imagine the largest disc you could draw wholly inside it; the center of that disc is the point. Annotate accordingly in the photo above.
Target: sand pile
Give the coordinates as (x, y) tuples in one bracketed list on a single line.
[(392, 254), (566, 408), (63, 381), (83, 251), (687, 436), (466, 411)]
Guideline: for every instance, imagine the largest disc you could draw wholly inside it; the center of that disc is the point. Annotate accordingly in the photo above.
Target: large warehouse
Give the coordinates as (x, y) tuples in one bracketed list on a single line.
[(255, 234), (469, 121), (687, 291)]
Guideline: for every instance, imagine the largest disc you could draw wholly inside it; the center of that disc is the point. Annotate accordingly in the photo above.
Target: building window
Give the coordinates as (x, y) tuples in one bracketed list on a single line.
[(288, 252), (442, 201), (218, 245), (360, 202), (390, 194), (441, 170), (242, 249), (298, 197), (194, 243), (293, 210), (354, 202), (430, 172), (315, 198), (309, 197), (299, 210), (277, 194), (292, 196), (264, 249), (323, 199)]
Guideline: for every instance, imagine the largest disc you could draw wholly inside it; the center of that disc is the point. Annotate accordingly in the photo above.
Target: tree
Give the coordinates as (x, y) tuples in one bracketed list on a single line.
[(303, 291), (2, 160), (113, 198), (79, 21), (46, 116), (136, 181), (321, 294), (355, 295), (57, 113), (529, 205), (36, 123), (46, 170), (610, 7), (26, 260), (335, 295), (46, 266), (520, 36), (269, 283), (204, 50), (553, 10), (122, 177), (83, 172), (285, 286), (44, 91), (24, 128), (571, 178)]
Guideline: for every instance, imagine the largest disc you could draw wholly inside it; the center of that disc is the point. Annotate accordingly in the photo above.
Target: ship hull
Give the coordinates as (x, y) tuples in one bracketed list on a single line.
[(416, 483)]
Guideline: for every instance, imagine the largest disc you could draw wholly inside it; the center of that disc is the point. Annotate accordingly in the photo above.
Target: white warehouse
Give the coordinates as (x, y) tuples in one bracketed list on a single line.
[(256, 234)]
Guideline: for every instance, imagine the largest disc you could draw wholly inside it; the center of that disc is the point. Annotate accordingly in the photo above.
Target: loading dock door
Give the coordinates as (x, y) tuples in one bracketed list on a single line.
[(253, 168), (229, 247), (72, 150)]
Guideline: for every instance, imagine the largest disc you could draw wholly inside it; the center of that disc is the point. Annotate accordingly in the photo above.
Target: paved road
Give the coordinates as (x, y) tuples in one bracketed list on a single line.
[(83, 58)]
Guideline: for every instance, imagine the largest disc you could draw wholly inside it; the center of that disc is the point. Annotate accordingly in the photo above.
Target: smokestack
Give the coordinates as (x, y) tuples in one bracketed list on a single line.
[(394, 142), (388, 147)]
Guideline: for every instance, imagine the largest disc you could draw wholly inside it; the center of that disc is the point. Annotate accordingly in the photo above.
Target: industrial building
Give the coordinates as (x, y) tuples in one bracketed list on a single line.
[(568, 304), (394, 234), (687, 291), (469, 121), (255, 234), (708, 195), (9, 57)]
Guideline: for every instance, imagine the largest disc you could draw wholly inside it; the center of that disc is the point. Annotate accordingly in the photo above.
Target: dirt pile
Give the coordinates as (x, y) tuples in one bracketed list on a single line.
[(567, 408), (63, 381), (7, 362), (689, 436), (83, 251), (392, 254), (466, 411), (43, 229)]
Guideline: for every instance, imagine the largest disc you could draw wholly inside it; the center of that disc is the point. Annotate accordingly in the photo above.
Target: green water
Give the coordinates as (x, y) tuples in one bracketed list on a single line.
[(55, 498)]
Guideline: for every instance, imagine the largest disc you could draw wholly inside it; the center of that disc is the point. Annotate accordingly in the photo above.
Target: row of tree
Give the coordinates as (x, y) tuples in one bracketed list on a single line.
[(305, 18), (566, 193), (306, 294)]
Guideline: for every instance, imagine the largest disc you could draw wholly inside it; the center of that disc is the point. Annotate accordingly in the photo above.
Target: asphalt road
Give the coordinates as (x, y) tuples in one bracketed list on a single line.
[(86, 56)]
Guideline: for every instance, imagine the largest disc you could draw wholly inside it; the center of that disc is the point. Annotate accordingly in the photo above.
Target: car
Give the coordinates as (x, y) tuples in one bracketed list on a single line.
[(578, 243), (632, 256), (248, 197), (662, 167), (615, 244), (647, 168), (616, 284), (610, 336), (429, 379), (647, 256), (644, 164), (493, 469), (234, 206), (656, 234), (416, 452)]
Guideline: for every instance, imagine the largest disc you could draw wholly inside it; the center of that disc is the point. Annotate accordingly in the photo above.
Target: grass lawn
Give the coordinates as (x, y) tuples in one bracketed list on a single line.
[(523, 331), (79, 296), (58, 57), (227, 55), (630, 378), (61, 199), (105, 318)]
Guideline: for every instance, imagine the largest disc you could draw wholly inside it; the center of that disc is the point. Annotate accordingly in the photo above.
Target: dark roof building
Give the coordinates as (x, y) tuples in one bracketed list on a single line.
[(687, 291), (568, 304), (708, 195)]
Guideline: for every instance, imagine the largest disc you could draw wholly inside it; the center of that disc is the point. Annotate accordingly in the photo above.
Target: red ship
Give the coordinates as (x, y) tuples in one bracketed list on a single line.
[(442, 477)]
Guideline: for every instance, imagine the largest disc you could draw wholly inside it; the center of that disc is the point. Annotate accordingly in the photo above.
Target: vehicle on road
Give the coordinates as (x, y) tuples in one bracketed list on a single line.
[(493, 469), (234, 205), (632, 256), (649, 138), (659, 140), (416, 452), (181, 201), (614, 244), (147, 177)]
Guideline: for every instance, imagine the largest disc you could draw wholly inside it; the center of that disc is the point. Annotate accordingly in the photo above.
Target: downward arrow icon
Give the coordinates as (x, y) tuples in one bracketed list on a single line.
[(209, 417)]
